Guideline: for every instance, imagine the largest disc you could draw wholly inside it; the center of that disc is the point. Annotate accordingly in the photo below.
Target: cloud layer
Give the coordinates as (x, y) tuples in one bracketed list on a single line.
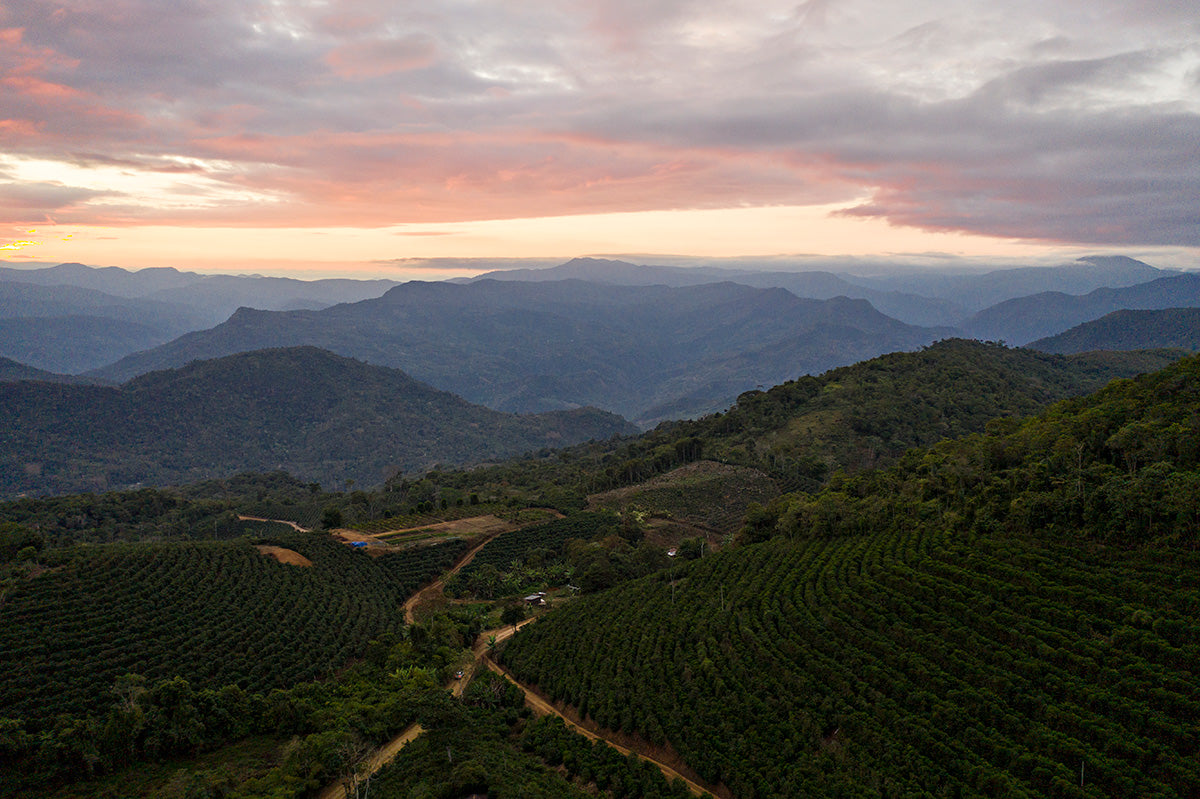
[(1075, 122)]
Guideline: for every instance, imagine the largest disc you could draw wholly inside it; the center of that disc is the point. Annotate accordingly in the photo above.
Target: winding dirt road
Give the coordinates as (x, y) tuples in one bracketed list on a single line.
[(386, 753), (536, 702), (480, 654), (295, 526), (437, 584), (542, 707)]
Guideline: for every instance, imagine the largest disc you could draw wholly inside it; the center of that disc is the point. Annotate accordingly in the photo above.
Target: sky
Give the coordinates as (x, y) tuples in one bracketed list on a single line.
[(370, 137)]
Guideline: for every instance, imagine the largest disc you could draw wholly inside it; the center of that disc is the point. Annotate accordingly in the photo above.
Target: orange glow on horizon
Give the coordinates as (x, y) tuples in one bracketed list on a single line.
[(20, 244), (736, 232)]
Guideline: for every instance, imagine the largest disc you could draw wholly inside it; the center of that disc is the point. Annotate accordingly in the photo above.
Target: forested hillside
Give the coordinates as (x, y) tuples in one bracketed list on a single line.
[(1013, 613), (1129, 330), (315, 414), (801, 432), (648, 353), (12, 371)]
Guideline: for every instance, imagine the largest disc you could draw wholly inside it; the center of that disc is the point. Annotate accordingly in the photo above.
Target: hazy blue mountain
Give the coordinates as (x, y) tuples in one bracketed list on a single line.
[(211, 298), (1129, 330), (71, 329), (525, 347), (12, 371), (1025, 319), (307, 411), (224, 294), (820, 285), (74, 344), (108, 279), (27, 300), (976, 292)]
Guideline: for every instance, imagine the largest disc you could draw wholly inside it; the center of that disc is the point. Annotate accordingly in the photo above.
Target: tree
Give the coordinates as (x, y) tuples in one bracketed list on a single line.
[(331, 518), (691, 548), (513, 614), (631, 525)]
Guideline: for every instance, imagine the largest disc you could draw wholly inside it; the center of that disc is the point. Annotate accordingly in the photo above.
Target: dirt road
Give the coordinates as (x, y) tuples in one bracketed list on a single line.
[(542, 707), (479, 652), (437, 584), (381, 758), (386, 753), (295, 526)]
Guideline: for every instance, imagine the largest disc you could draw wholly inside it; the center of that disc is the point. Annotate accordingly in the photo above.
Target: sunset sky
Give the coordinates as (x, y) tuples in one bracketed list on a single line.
[(362, 137)]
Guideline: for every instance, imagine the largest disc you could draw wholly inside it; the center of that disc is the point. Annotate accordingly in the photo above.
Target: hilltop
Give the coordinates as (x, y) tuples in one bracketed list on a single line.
[(321, 416), (1129, 330), (802, 432)]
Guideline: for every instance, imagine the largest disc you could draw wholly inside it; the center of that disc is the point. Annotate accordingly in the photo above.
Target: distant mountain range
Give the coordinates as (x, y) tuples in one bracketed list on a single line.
[(212, 297), (317, 415), (73, 329), (646, 352), (1177, 328), (930, 297), (908, 308), (73, 318), (1025, 319), (649, 342), (974, 292)]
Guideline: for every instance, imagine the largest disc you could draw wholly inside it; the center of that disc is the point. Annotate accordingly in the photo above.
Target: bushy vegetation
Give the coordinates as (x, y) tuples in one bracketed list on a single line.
[(491, 745), (1012, 613), (714, 496), (202, 511), (596, 550), (307, 735), (216, 614), (802, 432), (598, 763)]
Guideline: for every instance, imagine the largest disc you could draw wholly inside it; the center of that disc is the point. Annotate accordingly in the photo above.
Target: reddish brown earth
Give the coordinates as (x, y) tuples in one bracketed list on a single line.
[(282, 555)]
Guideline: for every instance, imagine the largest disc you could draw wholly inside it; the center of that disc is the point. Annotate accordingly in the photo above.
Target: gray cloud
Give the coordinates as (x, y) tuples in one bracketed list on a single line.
[(37, 203), (1073, 121)]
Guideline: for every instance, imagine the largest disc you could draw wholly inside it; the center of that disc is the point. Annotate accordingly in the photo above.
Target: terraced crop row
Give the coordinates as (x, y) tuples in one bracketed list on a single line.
[(216, 613), (897, 663)]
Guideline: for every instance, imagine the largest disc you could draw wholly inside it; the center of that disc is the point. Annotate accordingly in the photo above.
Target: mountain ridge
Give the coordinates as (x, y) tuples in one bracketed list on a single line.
[(1129, 330), (525, 347), (1026, 319), (304, 410)]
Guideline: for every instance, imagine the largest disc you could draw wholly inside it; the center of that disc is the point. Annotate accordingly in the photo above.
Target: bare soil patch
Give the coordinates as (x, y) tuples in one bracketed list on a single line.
[(348, 536), (472, 526), (289, 556)]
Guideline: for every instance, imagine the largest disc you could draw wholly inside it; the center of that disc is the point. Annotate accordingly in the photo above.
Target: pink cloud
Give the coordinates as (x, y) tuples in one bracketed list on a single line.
[(38, 89), (540, 108)]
